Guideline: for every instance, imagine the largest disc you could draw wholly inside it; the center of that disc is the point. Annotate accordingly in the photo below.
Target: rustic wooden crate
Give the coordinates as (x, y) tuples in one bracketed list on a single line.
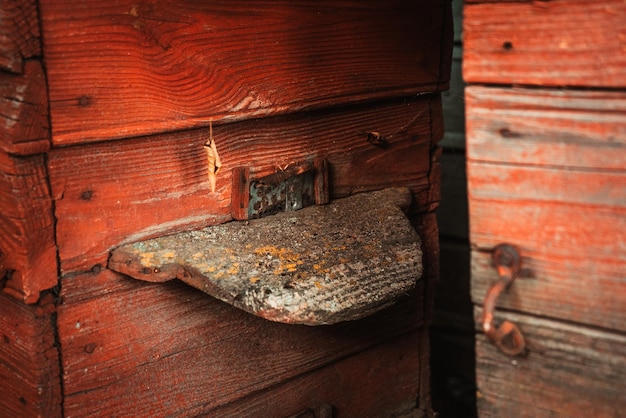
[(114, 104)]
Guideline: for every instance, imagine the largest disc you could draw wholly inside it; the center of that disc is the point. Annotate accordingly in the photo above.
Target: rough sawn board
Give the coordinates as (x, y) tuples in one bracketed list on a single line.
[(319, 265)]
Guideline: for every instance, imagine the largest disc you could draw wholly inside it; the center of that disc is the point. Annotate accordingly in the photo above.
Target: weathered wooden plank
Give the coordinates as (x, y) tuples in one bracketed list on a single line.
[(387, 386), (124, 341), (179, 65), (24, 111), (566, 128), (29, 362), (555, 43), (546, 173), (576, 254), (27, 246), (316, 266), (570, 370), (19, 34), (600, 188), (125, 191)]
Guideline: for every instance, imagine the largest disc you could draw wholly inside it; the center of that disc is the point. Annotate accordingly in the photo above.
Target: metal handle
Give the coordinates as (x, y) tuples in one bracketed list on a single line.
[(507, 336)]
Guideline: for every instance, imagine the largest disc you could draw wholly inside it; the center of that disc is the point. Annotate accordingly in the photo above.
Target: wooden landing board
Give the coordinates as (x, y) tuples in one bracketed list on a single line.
[(550, 43), (570, 370), (135, 68), (319, 265)]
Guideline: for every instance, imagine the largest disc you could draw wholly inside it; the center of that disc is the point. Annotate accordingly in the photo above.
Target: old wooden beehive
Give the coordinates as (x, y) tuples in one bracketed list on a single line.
[(125, 124)]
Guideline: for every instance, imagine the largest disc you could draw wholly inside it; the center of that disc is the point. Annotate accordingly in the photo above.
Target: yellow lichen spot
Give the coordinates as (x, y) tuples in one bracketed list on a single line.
[(168, 254), (316, 266), (218, 275), (318, 285), (196, 256), (254, 279), (146, 259), (234, 269), (283, 254), (211, 269)]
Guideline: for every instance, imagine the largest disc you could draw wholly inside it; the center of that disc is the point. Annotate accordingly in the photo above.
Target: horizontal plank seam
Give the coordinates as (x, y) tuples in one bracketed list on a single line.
[(570, 322), (563, 202), (551, 166), (564, 87), (295, 112)]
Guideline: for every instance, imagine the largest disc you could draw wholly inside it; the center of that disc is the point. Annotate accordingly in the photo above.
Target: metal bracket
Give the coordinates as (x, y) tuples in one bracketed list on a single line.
[(291, 189)]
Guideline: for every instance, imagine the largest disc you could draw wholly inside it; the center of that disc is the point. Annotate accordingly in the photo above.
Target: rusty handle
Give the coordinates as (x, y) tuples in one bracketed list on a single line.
[(507, 336)]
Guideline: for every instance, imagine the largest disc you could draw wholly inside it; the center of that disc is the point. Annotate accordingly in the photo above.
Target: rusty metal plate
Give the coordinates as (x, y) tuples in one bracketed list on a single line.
[(319, 265), (292, 188), (271, 195)]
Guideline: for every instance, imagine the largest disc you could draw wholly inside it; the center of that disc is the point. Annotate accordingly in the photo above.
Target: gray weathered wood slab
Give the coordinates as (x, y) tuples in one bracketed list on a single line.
[(319, 265)]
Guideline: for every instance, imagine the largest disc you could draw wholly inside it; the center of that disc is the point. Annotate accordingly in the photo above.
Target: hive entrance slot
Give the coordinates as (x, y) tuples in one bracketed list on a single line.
[(319, 265)]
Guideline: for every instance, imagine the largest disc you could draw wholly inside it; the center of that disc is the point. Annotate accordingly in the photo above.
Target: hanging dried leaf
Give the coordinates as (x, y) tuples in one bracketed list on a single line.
[(213, 159)]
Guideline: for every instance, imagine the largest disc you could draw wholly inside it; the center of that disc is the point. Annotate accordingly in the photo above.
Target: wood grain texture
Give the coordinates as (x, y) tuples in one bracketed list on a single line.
[(27, 246), (570, 370), (136, 68), (575, 251), (24, 127), (29, 360), (564, 128), (380, 382), (546, 173), (316, 266), (549, 43), (124, 191), (124, 342), (604, 189), (19, 34)]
